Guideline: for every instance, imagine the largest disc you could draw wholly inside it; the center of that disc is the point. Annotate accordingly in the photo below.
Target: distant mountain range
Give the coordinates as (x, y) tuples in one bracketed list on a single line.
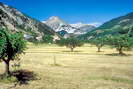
[(60, 26), (17, 21), (83, 28), (120, 25)]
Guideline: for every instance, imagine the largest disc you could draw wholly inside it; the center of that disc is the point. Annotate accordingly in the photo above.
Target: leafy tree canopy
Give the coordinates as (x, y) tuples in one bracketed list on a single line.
[(11, 45), (120, 42), (47, 39), (70, 43)]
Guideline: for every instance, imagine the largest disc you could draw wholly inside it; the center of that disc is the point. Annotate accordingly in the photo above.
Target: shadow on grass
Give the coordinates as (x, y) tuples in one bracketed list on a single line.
[(23, 76), (114, 79), (100, 51), (18, 77), (56, 65), (117, 54), (73, 51)]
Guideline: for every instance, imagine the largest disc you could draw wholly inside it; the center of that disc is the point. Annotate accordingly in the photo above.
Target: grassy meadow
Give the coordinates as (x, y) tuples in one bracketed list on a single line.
[(82, 69)]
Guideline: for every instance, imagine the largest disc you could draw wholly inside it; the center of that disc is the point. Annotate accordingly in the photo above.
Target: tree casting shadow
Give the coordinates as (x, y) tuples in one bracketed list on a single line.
[(23, 76), (71, 51), (117, 54)]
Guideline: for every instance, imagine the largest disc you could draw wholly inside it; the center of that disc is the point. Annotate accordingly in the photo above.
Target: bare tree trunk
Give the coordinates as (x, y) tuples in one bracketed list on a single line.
[(99, 49), (71, 49), (120, 51), (7, 68)]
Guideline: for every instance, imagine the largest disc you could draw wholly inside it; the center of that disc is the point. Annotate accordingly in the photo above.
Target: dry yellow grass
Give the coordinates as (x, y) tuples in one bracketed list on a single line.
[(82, 69)]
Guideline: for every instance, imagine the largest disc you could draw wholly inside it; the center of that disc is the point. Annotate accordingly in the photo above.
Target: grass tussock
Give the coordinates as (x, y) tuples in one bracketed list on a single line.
[(7, 79)]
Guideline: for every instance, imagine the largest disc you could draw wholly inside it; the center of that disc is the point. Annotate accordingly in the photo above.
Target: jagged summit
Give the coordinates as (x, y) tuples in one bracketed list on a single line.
[(58, 25), (55, 22)]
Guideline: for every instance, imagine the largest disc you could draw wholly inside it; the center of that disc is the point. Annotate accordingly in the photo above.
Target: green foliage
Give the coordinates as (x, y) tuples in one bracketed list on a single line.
[(47, 39), (120, 20), (8, 79), (11, 45), (98, 42), (120, 42), (2, 44), (61, 42), (121, 25), (70, 43), (17, 44)]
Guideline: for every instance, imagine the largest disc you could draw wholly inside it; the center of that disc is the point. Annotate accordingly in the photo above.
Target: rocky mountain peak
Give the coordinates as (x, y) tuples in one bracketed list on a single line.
[(60, 25)]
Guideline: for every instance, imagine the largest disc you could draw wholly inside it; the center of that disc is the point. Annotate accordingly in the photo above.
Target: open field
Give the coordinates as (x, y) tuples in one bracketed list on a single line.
[(82, 69)]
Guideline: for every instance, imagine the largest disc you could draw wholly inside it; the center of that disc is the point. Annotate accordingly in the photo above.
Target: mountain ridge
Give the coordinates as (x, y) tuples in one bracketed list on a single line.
[(15, 20), (119, 25), (60, 25)]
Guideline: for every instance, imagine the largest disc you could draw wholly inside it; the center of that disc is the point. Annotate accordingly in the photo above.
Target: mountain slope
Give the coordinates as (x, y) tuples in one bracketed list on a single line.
[(82, 28), (59, 26), (14, 20), (55, 22), (120, 25), (122, 21)]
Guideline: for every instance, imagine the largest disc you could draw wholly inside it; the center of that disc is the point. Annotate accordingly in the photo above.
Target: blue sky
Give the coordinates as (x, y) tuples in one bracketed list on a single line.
[(72, 11)]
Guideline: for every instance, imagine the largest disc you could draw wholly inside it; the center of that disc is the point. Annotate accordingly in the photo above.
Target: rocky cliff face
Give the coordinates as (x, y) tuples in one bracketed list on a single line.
[(16, 21)]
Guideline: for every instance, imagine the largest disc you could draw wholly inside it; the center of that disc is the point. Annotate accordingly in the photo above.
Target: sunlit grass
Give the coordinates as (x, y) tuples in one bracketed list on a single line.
[(84, 68)]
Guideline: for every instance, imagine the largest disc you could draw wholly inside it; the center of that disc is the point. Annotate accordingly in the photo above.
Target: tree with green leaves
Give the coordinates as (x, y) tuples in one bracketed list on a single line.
[(70, 43), (120, 42), (47, 39), (98, 42), (11, 46)]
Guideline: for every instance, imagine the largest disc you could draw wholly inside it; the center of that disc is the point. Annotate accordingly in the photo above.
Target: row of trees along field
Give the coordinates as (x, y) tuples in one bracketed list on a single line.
[(120, 42), (11, 46)]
